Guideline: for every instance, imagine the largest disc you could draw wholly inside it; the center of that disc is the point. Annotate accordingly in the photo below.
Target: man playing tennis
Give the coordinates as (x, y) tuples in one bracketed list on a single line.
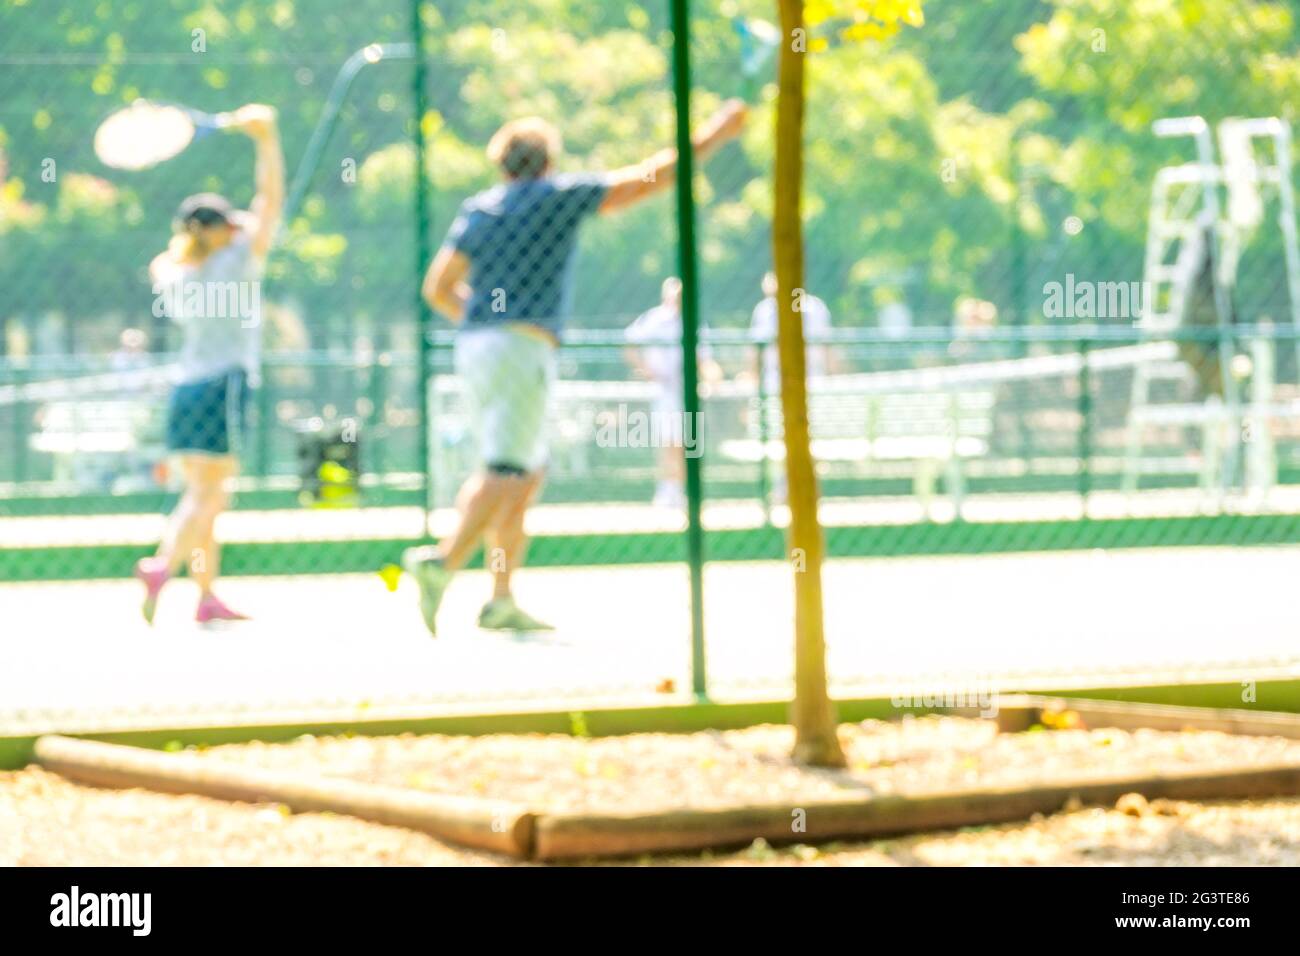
[(207, 282), (501, 276)]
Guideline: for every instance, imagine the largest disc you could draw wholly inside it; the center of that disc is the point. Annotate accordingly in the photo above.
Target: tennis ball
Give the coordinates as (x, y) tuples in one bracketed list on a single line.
[(390, 573)]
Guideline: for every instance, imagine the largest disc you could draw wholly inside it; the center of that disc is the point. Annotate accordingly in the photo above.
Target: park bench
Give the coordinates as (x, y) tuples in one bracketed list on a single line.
[(934, 430), (853, 423), (95, 441)]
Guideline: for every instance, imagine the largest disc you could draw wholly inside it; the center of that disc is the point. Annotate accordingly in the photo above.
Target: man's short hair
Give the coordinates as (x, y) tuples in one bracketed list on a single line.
[(525, 148)]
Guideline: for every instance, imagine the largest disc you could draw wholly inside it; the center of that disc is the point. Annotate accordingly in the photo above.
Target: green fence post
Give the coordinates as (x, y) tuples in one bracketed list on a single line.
[(763, 489), (21, 434), (377, 390), (1085, 425), (265, 410), (423, 318), (438, 359), (1017, 270), (680, 11)]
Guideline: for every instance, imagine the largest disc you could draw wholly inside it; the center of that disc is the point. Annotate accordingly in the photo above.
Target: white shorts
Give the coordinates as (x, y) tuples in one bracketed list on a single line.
[(507, 376), (668, 413), (668, 396)]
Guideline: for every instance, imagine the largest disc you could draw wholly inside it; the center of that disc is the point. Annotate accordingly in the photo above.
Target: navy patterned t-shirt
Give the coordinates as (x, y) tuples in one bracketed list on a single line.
[(520, 238)]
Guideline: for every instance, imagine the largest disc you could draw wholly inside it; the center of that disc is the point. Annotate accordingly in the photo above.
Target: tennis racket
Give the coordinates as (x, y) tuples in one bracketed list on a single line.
[(148, 132)]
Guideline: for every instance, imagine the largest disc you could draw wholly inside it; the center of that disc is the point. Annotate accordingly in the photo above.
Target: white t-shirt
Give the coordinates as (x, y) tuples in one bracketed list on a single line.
[(218, 305), (660, 324), (816, 322), (663, 360)]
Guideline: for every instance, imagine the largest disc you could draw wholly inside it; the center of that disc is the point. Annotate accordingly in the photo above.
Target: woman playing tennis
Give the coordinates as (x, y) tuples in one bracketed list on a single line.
[(207, 281)]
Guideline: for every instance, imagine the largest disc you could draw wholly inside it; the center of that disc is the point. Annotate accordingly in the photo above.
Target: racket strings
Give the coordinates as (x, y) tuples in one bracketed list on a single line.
[(143, 135)]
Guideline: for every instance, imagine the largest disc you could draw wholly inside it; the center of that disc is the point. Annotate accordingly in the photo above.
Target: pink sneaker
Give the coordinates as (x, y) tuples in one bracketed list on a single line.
[(153, 574), (211, 609)]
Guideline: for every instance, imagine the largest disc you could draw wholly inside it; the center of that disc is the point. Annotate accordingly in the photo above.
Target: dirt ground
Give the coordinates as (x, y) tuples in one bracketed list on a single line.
[(717, 768), (46, 820)]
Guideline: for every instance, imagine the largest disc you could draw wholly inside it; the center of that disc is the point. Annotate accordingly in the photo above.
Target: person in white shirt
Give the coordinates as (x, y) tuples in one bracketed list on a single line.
[(654, 352), (819, 359), (132, 351), (215, 256)]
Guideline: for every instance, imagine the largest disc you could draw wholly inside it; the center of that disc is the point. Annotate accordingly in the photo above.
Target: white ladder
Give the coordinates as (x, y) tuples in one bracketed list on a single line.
[(1185, 214)]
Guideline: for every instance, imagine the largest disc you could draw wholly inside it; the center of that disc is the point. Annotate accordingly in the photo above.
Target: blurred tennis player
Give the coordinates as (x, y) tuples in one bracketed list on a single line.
[(820, 360), (207, 281), (501, 275), (654, 351)]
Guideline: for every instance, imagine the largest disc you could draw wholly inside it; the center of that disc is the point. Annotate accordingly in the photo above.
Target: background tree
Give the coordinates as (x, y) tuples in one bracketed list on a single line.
[(925, 156), (1069, 86)]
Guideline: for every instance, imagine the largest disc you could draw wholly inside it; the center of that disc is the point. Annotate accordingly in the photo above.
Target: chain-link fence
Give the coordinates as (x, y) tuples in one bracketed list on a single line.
[(1050, 301)]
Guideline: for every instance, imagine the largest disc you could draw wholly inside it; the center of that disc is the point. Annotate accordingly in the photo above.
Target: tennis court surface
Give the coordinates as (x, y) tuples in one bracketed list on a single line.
[(76, 654)]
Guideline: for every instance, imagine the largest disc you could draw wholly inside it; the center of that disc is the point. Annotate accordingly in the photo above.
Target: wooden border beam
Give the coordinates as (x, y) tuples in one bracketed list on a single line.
[(1020, 712), (498, 826)]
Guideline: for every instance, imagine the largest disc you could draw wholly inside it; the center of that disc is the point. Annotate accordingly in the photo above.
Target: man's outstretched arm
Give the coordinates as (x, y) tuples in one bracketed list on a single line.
[(631, 184)]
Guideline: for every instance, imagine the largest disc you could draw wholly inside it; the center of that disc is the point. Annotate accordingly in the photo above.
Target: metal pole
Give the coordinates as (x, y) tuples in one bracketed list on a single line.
[(21, 432), (423, 319), (378, 398), (1085, 426), (324, 128), (1019, 308), (680, 10), (1019, 302), (265, 413), (763, 476)]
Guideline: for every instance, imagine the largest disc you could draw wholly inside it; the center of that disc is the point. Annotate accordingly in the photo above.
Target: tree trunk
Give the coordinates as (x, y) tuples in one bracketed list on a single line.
[(811, 712)]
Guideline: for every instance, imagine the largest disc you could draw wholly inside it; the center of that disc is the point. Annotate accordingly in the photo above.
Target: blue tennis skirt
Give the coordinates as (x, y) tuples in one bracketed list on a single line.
[(209, 416)]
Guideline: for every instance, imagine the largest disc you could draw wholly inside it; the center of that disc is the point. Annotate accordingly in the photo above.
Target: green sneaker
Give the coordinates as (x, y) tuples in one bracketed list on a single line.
[(431, 578), (503, 614)]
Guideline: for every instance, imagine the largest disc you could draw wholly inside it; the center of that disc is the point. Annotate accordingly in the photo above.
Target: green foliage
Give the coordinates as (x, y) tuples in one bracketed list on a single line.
[(1039, 110)]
